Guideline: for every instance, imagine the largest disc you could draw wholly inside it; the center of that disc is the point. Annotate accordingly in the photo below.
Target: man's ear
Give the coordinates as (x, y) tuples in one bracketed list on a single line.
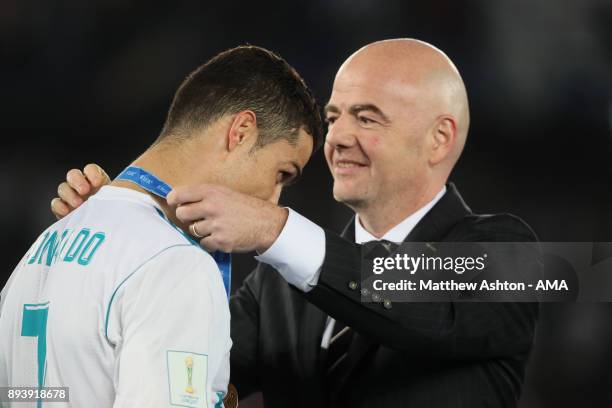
[(243, 130), (444, 136)]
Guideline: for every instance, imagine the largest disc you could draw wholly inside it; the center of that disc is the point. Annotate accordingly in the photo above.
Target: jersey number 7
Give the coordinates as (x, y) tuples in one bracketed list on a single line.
[(34, 324)]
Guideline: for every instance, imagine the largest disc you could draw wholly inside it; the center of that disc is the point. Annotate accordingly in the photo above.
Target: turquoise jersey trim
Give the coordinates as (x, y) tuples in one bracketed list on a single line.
[(220, 396), (110, 302), (187, 237), (222, 259)]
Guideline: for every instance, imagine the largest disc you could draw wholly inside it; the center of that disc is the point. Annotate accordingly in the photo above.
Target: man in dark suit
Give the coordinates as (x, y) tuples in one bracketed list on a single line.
[(403, 354), (398, 119)]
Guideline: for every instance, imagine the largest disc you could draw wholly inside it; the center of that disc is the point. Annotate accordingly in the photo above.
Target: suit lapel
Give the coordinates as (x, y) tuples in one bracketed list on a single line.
[(434, 226), (438, 222), (349, 231)]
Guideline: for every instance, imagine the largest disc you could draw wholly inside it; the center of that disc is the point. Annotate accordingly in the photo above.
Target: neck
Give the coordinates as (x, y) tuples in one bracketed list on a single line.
[(381, 217), (170, 165)]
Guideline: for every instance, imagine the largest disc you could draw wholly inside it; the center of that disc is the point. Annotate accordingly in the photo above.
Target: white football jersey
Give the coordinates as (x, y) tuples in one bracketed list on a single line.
[(120, 306)]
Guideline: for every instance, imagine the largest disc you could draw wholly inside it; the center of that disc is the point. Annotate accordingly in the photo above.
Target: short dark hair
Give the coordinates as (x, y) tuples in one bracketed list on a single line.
[(246, 77)]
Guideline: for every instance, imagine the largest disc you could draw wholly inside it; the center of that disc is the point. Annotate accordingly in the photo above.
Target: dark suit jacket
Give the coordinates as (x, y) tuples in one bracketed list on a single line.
[(411, 355)]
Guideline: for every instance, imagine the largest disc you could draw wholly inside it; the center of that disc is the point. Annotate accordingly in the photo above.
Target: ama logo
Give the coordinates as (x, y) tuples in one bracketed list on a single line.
[(552, 285)]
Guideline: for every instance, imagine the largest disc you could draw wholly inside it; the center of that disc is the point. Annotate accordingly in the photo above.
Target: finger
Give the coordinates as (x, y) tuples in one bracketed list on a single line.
[(59, 208), (69, 195), (96, 175), (186, 194), (77, 181), (210, 244), (191, 212), (200, 229)]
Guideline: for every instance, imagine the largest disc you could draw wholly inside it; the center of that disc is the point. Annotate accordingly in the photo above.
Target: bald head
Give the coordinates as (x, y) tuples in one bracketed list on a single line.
[(420, 73)]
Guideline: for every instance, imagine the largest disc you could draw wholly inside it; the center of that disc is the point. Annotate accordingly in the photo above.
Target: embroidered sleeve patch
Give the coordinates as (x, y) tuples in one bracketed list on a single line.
[(187, 376)]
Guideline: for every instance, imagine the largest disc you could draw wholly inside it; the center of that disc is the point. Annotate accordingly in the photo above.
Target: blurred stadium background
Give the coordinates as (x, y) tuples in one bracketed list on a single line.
[(90, 81)]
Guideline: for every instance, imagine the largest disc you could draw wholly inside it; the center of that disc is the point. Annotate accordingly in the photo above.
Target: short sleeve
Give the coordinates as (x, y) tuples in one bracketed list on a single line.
[(175, 341)]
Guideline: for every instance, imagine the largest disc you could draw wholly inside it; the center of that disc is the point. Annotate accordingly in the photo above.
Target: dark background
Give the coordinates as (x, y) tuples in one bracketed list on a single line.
[(90, 81)]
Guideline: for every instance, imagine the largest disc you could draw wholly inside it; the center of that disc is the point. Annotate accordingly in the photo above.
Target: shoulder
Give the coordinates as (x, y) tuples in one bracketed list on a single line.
[(502, 227), (155, 228), (181, 259), (183, 252), (172, 266), (142, 235), (177, 270), (173, 280)]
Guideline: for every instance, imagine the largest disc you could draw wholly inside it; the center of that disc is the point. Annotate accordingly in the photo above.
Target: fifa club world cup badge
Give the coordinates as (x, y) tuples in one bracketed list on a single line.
[(189, 366), (187, 376)]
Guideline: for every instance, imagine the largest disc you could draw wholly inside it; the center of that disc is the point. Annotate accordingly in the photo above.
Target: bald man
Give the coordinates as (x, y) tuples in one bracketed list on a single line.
[(398, 120)]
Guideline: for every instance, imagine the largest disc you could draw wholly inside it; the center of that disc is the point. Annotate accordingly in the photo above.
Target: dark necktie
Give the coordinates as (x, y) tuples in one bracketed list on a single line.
[(336, 355), (338, 348)]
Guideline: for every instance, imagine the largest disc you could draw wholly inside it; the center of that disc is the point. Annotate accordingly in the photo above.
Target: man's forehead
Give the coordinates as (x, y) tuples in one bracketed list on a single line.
[(349, 91), (304, 148)]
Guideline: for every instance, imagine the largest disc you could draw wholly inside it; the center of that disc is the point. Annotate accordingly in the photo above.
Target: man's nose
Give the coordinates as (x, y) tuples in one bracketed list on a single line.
[(341, 134)]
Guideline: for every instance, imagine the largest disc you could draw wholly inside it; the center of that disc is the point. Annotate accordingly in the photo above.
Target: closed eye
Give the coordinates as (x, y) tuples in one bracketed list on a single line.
[(330, 120), (365, 120), (286, 178)]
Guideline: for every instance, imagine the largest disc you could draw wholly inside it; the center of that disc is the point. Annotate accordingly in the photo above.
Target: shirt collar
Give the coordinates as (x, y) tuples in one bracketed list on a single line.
[(401, 230), (124, 193)]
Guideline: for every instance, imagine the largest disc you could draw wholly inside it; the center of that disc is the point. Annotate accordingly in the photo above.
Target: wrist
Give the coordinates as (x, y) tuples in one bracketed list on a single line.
[(275, 223)]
